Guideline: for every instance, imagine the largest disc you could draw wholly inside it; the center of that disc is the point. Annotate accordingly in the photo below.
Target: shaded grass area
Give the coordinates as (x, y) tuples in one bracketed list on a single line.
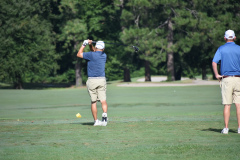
[(144, 123), (37, 85)]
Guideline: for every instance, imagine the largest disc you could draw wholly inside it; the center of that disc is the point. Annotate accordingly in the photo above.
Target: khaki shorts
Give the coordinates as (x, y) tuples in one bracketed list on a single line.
[(97, 89), (231, 90)]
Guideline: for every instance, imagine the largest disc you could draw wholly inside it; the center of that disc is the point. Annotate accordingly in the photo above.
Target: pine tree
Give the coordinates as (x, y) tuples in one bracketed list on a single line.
[(138, 22), (73, 32), (27, 42), (213, 19)]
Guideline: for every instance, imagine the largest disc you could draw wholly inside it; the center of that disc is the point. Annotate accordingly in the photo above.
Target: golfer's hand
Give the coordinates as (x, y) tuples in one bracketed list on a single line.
[(89, 42), (219, 77), (85, 42)]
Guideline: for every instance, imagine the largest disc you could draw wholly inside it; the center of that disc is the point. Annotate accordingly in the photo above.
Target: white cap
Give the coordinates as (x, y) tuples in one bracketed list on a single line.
[(100, 45), (229, 34)]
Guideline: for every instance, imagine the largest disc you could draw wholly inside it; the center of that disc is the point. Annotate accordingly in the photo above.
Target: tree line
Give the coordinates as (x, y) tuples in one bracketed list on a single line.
[(40, 38)]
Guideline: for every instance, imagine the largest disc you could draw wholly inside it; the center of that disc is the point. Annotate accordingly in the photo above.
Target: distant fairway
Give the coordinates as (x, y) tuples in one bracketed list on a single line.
[(144, 123)]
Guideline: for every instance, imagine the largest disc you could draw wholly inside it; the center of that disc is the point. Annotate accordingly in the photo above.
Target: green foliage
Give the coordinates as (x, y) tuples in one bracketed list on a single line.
[(66, 77), (35, 33), (138, 73), (27, 43), (112, 69), (73, 31), (139, 28), (207, 34)]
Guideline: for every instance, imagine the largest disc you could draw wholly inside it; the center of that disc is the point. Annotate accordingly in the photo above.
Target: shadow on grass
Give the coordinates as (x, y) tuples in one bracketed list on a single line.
[(41, 85), (38, 85), (85, 123), (218, 130)]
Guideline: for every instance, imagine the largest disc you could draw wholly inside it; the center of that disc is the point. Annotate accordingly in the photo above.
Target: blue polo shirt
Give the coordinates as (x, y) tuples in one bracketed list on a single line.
[(96, 63), (229, 55)]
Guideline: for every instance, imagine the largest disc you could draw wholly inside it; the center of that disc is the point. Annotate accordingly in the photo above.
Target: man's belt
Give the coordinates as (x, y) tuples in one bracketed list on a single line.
[(96, 78), (231, 76)]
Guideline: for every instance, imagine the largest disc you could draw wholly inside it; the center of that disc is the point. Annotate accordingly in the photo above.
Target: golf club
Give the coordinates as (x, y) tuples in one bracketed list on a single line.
[(134, 47)]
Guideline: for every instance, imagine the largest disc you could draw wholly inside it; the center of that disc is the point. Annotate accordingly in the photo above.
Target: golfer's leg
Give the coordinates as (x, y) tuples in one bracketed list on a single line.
[(226, 114), (104, 106), (102, 94), (94, 110), (238, 113)]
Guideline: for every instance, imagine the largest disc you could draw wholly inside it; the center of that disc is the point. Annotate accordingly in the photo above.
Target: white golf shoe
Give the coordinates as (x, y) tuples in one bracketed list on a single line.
[(225, 131), (104, 119), (238, 130), (97, 123)]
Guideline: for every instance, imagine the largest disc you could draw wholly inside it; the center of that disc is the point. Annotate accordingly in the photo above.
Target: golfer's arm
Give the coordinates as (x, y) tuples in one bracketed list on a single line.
[(91, 47), (215, 70), (80, 52)]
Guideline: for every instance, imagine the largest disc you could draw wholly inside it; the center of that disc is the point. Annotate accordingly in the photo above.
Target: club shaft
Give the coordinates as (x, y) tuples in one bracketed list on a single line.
[(135, 48)]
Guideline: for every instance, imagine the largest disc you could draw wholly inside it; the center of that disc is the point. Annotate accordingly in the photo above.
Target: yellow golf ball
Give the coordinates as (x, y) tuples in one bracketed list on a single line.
[(78, 115)]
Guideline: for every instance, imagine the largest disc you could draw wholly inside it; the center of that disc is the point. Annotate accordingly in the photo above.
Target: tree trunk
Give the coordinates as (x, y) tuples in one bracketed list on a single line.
[(147, 71), (126, 71), (170, 55), (178, 73), (78, 67), (127, 77), (18, 83), (78, 73)]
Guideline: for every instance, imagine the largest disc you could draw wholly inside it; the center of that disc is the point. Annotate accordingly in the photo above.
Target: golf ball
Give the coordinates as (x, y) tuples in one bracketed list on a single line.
[(78, 115)]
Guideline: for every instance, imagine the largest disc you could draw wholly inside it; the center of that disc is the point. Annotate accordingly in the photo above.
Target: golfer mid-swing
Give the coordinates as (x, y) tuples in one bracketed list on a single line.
[(96, 82)]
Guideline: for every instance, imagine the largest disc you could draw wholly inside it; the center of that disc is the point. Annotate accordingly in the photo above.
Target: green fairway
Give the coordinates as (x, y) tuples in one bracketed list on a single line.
[(144, 123)]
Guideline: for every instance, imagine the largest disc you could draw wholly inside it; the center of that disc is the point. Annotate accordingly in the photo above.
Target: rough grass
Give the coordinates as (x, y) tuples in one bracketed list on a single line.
[(144, 123)]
